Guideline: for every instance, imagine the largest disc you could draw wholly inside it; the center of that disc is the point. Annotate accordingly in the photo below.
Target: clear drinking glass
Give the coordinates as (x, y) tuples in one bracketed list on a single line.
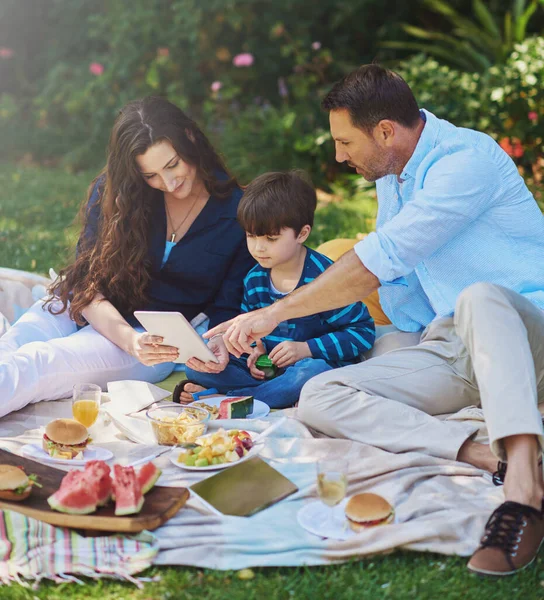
[(332, 485), (86, 403)]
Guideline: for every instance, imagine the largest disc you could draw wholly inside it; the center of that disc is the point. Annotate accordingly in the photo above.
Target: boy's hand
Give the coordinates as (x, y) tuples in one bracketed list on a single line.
[(288, 353), (217, 346), (257, 351)]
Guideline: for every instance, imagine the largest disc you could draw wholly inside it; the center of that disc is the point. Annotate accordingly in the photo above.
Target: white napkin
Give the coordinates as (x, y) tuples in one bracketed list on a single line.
[(128, 397), (136, 428)]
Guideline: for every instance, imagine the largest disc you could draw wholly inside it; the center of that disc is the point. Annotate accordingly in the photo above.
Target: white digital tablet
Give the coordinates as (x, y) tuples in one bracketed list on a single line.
[(176, 331)]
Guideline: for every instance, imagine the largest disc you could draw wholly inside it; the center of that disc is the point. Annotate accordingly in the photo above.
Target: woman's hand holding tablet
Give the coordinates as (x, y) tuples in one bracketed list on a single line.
[(150, 350)]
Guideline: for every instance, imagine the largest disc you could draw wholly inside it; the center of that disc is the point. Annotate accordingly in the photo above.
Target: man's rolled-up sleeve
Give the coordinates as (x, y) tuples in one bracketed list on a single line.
[(376, 259), (458, 189)]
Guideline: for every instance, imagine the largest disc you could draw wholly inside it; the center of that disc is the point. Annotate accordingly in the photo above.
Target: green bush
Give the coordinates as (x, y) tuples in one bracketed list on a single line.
[(259, 139), (96, 55), (66, 67), (476, 42), (505, 101)]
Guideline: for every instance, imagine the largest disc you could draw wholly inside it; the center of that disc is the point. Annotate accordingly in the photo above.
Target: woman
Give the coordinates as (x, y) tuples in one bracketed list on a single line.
[(160, 233)]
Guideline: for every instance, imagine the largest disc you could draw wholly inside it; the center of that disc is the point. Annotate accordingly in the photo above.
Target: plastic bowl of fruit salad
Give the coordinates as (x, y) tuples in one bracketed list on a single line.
[(217, 448)]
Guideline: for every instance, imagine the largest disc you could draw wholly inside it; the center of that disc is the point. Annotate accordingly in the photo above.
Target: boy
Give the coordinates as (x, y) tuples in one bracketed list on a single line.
[(277, 213)]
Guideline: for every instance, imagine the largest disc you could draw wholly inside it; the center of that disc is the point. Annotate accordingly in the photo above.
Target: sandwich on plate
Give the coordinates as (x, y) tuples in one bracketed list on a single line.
[(65, 439), (368, 510)]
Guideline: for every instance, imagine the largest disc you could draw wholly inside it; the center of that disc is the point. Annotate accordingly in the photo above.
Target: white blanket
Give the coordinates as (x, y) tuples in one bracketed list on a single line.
[(441, 506)]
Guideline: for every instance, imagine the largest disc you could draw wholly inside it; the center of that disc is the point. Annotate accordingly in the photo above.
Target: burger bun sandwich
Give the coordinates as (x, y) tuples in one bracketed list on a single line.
[(368, 510), (65, 439), (15, 484)]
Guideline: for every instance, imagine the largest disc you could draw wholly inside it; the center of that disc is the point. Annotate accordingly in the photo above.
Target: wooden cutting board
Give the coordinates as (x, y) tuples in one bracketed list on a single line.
[(160, 503)]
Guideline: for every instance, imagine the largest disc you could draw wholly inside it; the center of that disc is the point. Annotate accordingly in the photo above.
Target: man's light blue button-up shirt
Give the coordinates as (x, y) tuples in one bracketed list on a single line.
[(460, 214)]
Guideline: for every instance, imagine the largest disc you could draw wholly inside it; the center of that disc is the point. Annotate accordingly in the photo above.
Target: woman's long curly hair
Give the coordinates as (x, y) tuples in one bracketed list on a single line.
[(115, 262)]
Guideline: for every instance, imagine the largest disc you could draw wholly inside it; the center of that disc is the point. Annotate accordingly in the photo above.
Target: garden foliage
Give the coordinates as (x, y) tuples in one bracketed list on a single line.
[(251, 72)]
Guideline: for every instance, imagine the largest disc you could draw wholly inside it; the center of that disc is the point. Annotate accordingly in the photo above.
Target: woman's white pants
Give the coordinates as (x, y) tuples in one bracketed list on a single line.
[(43, 356)]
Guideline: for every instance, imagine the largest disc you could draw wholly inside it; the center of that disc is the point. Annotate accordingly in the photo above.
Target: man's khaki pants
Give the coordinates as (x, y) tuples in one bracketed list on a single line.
[(490, 354)]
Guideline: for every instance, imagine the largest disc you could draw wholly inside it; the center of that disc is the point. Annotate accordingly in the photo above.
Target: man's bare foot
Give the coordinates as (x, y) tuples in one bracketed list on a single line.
[(185, 396), (478, 455)]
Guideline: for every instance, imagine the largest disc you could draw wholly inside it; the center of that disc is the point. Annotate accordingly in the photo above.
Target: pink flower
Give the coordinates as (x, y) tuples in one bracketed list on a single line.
[(533, 116), (316, 45), (216, 86), (163, 52), (6, 52), (96, 68), (243, 60)]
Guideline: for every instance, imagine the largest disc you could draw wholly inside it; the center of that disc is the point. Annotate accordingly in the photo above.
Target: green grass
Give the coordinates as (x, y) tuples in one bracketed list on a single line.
[(395, 576), (39, 206), (36, 232)]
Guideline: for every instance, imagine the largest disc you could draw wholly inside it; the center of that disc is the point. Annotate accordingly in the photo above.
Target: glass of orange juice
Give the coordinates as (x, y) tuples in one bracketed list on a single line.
[(86, 403)]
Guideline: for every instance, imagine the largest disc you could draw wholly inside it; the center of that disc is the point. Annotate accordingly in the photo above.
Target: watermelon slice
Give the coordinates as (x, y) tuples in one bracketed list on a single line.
[(128, 491), (70, 478), (238, 407), (147, 476), (97, 473), (75, 496)]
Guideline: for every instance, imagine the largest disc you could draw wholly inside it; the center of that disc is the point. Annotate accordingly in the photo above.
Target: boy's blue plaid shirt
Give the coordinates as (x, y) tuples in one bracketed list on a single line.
[(337, 336)]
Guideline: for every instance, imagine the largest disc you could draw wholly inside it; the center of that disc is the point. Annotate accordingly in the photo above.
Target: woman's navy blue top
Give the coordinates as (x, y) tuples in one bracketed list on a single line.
[(205, 270)]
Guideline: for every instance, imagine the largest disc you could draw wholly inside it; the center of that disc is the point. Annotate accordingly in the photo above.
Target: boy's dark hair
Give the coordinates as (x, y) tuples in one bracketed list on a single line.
[(372, 93), (276, 200)]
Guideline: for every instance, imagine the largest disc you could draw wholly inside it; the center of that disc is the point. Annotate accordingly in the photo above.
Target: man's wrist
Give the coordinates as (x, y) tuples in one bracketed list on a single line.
[(278, 311)]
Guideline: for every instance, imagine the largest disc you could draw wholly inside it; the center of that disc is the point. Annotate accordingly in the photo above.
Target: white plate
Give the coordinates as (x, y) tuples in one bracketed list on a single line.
[(173, 456), (260, 409), (90, 453), (314, 517)]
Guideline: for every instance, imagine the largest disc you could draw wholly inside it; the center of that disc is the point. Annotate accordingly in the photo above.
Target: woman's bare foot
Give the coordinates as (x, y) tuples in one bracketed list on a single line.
[(478, 455), (185, 396)]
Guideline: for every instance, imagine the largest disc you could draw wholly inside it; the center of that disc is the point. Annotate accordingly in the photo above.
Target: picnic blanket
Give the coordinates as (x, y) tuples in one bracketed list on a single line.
[(441, 506), (32, 550)]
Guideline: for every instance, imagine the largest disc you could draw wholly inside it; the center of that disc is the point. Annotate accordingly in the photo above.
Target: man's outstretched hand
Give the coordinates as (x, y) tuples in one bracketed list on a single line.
[(242, 331)]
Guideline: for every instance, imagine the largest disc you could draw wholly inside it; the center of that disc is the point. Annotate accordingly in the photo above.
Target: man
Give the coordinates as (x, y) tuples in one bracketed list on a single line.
[(459, 254)]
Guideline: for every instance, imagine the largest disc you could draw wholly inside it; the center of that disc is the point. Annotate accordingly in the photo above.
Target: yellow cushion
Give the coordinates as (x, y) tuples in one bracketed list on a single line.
[(334, 250)]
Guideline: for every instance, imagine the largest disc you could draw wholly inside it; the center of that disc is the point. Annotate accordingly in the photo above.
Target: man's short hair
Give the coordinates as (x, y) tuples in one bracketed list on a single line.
[(372, 93), (276, 200)]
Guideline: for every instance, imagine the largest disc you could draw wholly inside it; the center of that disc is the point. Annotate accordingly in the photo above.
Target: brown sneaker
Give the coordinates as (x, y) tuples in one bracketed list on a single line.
[(512, 538)]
